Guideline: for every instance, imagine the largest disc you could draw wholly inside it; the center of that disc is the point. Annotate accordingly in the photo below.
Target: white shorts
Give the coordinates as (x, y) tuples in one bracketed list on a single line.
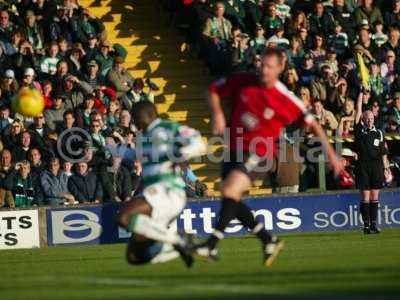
[(166, 202)]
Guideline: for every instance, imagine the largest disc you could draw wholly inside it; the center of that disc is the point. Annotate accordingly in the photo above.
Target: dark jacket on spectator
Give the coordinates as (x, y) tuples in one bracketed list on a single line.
[(85, 188), (116, 183), (320, 25)]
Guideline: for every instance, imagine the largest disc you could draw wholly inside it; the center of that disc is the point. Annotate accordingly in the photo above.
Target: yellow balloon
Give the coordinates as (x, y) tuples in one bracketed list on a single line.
[(28, 102)]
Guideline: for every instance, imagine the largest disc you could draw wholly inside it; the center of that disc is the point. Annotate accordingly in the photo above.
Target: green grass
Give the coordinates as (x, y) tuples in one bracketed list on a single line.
[(313, 266)]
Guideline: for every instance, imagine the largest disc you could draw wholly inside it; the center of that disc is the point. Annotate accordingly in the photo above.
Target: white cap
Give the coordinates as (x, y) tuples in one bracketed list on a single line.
[(9, 74), (29, 72), (347, 152)]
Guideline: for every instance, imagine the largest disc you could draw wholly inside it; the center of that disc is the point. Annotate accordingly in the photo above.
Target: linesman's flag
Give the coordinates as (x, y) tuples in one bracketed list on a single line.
[(364, 74)]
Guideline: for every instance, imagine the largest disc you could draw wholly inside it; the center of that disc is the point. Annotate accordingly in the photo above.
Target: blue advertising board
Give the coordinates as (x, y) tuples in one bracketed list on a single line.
[(281, 214)]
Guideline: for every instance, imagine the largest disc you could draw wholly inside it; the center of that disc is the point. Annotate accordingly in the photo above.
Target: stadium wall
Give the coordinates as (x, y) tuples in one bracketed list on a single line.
[(95, 224)]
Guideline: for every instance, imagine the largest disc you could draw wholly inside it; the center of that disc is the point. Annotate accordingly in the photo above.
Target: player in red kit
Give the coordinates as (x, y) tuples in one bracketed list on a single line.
[(261, 107)]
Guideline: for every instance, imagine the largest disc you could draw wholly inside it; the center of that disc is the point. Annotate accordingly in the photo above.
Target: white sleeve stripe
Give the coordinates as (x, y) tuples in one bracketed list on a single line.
[(283, 89)]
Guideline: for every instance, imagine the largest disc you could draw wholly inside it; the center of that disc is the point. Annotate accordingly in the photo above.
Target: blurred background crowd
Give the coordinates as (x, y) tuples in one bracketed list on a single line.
[(321, 41), (62, 49)]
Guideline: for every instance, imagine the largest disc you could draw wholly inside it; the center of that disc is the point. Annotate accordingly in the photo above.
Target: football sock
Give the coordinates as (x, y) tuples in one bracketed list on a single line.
[(228, 212), (246, 217), (364, 209), (144, 225), (373, 212)]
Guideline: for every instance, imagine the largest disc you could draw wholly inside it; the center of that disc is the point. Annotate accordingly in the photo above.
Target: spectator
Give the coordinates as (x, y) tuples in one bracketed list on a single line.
[(34, 32), (91, 48), (21, 150), (318, 51), (304, 94), (343, 16), (235, 13), (113, 113), (392, 126), (376, 80), (104, 58), (137, 94), (88, 25), (74, 60), (120, 78), (392, 17), (98, 139), (39, 131), (47, 89), (295, 52), (7, 175), (324, 117), (394, 111), (67, 168), (379, 37), (75, 91), (11, 135), (22, 189), (321, 21), (242, 54), (54, 115), (308, 71), (339, 97), (338, 40), (297, 23), (271, 20), (217, 35), (5, 120), (393, 43), (9, 87), (291, 79), (92, 75), (366, 11), (116, 181), (258, 42), (388, 70), (322, 87), (37, 169), (84, 185), (54, 183), (49, 63), (6, 26)]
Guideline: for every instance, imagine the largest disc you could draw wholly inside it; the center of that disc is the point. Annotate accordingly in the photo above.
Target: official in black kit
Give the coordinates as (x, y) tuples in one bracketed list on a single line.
[(369, 172)]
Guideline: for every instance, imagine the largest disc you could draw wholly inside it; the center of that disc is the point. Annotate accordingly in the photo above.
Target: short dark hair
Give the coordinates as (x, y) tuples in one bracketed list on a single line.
[(144, 107), (68, 112)]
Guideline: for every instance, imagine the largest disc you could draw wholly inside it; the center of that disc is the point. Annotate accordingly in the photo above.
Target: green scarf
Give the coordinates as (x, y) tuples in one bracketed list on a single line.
[(23, 194)]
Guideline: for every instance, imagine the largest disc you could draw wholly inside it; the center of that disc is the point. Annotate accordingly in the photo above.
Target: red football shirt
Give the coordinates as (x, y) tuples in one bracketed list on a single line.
[(258, 113)]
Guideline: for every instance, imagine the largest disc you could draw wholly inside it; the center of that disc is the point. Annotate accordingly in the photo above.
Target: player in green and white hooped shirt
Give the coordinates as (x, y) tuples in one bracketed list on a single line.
[(160, 147)]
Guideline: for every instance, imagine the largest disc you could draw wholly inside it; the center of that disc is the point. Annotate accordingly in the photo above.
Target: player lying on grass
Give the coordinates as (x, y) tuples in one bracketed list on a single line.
[(261, 107), (160, 147)]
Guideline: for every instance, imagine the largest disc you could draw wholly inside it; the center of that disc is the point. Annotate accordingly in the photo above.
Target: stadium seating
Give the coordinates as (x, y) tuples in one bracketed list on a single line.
[(156, 51)]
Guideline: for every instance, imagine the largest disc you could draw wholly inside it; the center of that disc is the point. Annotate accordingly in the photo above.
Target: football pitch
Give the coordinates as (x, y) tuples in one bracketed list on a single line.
[(346, 265)]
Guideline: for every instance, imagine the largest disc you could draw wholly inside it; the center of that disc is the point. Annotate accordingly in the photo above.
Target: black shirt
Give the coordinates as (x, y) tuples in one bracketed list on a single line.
[(370, 143)]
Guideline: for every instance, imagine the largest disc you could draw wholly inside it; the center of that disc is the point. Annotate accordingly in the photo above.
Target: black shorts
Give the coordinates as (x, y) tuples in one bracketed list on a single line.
[(252, 165), (369, 175)]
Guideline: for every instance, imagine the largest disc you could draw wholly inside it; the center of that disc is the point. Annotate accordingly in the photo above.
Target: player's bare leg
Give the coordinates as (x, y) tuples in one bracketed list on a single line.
[(135, 217), (232, 190)]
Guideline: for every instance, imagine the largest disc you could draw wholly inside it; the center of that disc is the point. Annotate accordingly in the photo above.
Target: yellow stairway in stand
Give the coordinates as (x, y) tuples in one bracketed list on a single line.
[(156, 51)]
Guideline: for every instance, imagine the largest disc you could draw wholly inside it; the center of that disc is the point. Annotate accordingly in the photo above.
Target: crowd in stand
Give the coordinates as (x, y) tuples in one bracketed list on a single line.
[(320, 40), (62, 50)]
